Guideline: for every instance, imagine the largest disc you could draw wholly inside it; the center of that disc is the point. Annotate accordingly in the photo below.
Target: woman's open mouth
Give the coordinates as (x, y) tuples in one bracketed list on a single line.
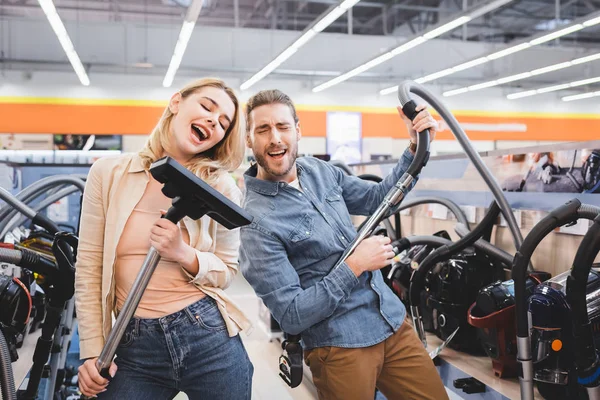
[(200, 134)]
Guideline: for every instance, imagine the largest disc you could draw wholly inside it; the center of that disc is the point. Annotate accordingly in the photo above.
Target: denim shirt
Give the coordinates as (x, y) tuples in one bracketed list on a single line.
[(287, 254)]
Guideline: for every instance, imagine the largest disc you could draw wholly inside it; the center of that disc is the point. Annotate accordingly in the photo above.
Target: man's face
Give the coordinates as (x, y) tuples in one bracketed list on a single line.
[(273, 137)]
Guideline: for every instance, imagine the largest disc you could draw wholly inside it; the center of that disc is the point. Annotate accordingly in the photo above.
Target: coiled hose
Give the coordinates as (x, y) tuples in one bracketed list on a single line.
[(7, 380)]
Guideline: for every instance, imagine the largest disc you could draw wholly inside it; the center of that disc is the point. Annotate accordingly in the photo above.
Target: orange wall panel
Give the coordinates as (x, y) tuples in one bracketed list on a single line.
[(79, 119), (114, 117)]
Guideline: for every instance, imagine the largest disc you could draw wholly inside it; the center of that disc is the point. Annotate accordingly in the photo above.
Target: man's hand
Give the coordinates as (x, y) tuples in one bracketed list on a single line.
[(371, 254), (90, 381), (422, 121)]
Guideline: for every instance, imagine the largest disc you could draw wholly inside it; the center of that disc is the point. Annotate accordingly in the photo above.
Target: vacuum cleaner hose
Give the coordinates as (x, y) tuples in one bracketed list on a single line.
[(10, 256), (486, 247), (7, 379), (407, 242), (453, 207), (404, 90), (587, 211)]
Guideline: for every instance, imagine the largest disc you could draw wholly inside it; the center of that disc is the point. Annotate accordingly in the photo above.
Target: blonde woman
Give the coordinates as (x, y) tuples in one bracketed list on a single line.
[(184, 336)]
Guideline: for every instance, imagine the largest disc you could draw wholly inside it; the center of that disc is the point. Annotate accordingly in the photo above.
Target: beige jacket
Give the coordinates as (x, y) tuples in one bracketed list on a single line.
[(113, 188)]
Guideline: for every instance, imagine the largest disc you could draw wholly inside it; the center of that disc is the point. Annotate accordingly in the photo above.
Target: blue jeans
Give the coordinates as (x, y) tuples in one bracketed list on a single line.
[(188, 351)]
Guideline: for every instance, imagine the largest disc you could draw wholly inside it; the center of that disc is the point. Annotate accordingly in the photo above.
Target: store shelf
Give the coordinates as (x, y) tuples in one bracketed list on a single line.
[(456, 365)]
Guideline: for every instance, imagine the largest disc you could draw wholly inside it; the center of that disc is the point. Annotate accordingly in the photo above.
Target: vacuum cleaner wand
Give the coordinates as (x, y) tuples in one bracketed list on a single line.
[(192, 197), (397, 193)]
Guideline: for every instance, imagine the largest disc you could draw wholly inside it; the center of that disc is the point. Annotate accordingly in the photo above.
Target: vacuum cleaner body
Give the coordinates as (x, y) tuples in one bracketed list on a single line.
[(15, 309), (493, 314), (452, 288), (552, 336)]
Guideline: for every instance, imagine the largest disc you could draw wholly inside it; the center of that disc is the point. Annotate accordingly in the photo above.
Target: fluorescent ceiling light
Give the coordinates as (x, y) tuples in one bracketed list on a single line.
[(551, 68), (185, 34), (553, 88), (329, 19), (525, 75), (581, 96), (557, 34), (456, 91), (390, 90), (510, 50), (470, 64), (512, 78), (586, 59), (408, 45), (318, 27), (576, 26), (347, 4), (302, 40), (483, 85), (65, 41), (358, 70), (592, 22), (432, 33), (287, 53), (436, 75), (447, 27), (513, 96)]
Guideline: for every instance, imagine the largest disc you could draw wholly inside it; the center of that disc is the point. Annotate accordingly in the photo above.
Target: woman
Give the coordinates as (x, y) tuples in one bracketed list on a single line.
[(184, 336)]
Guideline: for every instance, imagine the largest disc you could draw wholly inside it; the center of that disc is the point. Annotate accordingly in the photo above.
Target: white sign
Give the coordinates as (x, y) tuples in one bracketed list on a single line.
[(344, 136)]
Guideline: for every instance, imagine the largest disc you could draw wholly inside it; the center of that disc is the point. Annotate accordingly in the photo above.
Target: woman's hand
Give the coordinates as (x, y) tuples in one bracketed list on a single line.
[(422, 121), (90, 381), (166, 238)]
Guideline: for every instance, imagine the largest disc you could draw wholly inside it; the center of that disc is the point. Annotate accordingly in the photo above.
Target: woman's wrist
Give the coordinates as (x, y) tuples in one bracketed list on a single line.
[(188, 260)]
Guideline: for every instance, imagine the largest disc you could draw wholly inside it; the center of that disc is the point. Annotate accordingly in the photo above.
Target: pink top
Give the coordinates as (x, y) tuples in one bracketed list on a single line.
[(169, 290)]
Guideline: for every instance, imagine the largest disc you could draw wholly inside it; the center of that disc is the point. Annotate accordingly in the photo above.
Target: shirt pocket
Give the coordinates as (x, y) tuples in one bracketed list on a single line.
[(304, 230), (305, 248), (335, 201)]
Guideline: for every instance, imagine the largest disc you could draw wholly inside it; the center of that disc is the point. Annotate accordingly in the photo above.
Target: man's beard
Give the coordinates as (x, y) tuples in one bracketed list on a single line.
[(292, 153)]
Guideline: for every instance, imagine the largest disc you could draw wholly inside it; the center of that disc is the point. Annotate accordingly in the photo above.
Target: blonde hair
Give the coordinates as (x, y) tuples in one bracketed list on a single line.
[(227, 155)]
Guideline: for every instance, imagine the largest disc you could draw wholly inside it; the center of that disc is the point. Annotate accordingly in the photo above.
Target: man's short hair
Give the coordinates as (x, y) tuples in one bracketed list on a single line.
[(266, 97)]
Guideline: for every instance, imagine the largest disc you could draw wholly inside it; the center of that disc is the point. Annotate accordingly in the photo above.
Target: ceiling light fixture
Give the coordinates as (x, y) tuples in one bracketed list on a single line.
[(581, 23)]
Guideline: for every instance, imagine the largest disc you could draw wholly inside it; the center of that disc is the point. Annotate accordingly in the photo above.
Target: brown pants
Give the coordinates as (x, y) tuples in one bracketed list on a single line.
[(399, 367)]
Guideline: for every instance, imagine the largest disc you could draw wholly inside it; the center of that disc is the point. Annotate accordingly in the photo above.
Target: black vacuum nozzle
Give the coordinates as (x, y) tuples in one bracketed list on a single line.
[(200, 198)]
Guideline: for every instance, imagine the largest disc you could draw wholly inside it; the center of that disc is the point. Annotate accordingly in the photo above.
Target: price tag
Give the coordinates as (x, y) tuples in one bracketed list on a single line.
[(518, 218), (470, 213), (580, 228), (438, 211)]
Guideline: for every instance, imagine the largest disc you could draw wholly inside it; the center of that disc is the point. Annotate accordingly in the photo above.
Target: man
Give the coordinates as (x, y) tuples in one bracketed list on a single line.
[(351, 322)]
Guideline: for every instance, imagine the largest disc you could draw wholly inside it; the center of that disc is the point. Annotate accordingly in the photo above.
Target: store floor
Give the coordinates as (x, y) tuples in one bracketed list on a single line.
[(267, 384)]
